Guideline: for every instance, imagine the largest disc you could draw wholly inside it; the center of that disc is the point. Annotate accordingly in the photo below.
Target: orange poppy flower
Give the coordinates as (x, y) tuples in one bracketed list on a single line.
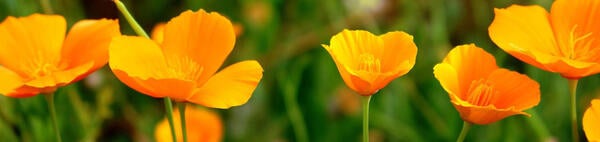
[(368, 62), (481, 91), (201, 126), (565, 41), (591, 121), (183, 66), (36, 57)]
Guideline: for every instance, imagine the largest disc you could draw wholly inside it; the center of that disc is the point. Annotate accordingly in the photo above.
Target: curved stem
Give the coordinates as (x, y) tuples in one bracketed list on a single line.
[(136, 27), (169, 107), (464, 131), (181, 107), (365, 103), (50, 100), (573, 91)]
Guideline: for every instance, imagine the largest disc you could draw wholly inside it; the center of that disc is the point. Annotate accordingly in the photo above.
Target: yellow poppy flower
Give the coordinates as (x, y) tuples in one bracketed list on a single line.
[(565, 41), (36, 57), (367, 62), (481, 91), (591, 121), (201, 126), (184, 65)]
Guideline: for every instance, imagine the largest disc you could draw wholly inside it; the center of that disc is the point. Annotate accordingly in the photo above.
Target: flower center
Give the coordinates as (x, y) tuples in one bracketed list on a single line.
[(579, 47), (44, 70), (481, 93), (368, 63), (182, 67)]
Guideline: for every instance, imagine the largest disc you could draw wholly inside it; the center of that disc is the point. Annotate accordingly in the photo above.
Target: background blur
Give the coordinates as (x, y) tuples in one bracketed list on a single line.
[(285, 36)]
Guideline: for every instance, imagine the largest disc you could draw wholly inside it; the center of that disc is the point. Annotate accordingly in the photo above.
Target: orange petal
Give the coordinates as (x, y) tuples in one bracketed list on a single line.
[(10, 82), (470, 63), (201, 126), (573, 20), (514, 90), (206, 38), (232, 86), (448, 78), (27, 43), (525, 33), (176, 89), (138, 57), (591, 121), (158, 33), (398, 48), (60, 78), (484, 115), (88, 41)]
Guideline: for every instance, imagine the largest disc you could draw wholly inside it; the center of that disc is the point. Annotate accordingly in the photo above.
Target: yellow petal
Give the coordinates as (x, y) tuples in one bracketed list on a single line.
[(470, 63), (10, 82), (591, 121), (484, 115), (138, 57), (27, 43), (514, 90), (206, 38), (525, 33), (61, 77), (232, 86), (398, 48), (575, 25), (448, 78), (88, 41), (158, 33), (201, 126), (176, 89)]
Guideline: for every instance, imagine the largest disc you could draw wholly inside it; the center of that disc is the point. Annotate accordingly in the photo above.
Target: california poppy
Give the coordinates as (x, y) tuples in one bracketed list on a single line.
[(565, 41), (184, 65), (202, 125), (482, 92), (36, 57), (591, 121), (367, 62)]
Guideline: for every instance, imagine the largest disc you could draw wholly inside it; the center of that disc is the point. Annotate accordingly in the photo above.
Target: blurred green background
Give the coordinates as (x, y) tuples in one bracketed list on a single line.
[(301, 84)]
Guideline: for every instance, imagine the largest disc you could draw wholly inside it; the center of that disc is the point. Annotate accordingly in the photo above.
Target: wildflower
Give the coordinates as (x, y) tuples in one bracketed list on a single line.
[(202, 125)]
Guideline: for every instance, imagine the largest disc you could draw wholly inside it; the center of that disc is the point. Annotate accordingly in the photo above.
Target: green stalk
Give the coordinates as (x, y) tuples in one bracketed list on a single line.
[(464, 131), (365, 102), (573, 91), (538, 126), (140, 31), (134, 24), (182, 118), (50, 101), (169, 107)]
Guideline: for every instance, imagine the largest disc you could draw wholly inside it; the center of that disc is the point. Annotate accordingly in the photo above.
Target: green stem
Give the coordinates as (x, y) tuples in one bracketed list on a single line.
[(169, 107), (182, 118), (136, 27), (538, 126), (464, 131), (46, 6), (50, 101), (365, 102), (573, 91), (294, 113)]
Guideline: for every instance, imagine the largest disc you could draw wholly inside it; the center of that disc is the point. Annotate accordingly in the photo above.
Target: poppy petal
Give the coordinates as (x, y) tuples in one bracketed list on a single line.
[(138, 57), (484, 115), (448, 78), (591, 121), (232, 86), (575, 25), (470, 63), (525, 33), (10, 81), (158, 33), (88, 41), (59, 78), (206, 38), (177, 89), (29, 34), (515, 90), (398, 48)]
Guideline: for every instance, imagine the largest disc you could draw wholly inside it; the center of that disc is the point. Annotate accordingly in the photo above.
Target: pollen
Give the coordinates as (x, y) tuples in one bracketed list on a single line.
[(481, 93)]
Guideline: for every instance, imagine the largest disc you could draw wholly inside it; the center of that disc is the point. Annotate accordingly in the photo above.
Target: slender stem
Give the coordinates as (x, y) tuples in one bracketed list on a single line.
[(169, 107), (538, 126), (464, 131), (182, 118), (365, 102), (573, 91), (46, 6), (50, 101), (136, 27)]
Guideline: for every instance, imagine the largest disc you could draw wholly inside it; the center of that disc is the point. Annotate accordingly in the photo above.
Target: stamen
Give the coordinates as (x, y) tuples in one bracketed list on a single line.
[(480, 93), (183, 67), (369, 63)]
